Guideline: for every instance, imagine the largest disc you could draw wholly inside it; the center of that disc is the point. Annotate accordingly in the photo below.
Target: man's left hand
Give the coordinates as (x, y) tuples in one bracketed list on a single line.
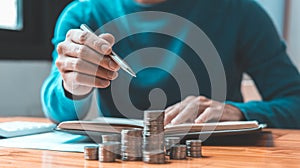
[(199, 110)]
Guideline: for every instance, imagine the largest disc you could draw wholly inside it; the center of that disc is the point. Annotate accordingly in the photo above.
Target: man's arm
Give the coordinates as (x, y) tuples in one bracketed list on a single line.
[(81, 64), (58, 104), (264, 58)]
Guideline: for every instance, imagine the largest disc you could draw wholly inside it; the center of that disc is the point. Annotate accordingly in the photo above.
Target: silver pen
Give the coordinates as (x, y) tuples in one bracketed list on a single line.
[(113, 55)]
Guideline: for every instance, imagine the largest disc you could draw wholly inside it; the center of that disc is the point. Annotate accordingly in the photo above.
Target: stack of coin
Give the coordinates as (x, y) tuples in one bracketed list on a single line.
[(154, 157), (91, 152), (113, 138), (194, 148), (106, 152), (169, 142), (153, 137), (178, 152), (131, 144)]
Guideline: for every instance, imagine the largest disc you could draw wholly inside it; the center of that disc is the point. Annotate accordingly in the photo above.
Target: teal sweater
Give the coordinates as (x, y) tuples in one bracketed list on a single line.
[(240, 30)]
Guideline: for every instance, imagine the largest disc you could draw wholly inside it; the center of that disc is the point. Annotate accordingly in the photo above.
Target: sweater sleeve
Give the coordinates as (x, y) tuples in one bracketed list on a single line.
[(263, 56), (56, 105)]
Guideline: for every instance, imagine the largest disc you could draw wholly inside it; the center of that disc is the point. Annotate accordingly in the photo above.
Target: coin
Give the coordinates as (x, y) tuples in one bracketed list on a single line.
[(131, 144), (154, 157), (153, 137), (169, 142), (194, 142), (91, 152), (178, 152), (111, 138), (106, 152), (194, 148)]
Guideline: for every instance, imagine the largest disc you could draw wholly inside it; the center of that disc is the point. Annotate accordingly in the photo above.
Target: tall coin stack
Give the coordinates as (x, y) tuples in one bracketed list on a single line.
[(178, 152), (153, 137), (115, 139), (169, 142), (106, 152), (194, 148), (131, 144)]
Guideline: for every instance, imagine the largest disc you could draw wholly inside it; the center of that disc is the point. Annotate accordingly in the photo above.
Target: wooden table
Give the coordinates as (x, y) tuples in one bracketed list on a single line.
[(281, 148)]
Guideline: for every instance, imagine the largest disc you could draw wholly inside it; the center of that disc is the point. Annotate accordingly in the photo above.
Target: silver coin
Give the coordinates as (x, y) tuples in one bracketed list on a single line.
[(154, 157), (169, 142), (154, 115), (194, 154), (111, 138), (178, 147), (117, 149), (194, 142), (130, 158), (106, 152), (132, 132), (131, 144), (153, 137), (178, 152), (91, 152), (194, 148)]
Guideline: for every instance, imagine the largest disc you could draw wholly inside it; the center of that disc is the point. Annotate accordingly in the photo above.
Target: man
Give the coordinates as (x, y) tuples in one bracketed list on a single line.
[(240, 30)]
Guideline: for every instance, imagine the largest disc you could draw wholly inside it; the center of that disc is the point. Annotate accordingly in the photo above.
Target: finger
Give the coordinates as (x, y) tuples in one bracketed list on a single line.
[(170, 115), (205, 116), (183, 103), (203, 102), (108, 37), (78, 65), (87, 54), (193, 107), (91, 40), (189, 112), (167, 110), (175, 109), (170, 108), (85, 80)]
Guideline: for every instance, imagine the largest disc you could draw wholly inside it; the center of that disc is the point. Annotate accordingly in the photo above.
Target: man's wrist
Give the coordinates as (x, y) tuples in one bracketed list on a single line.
[(73, 96), (233, 113)]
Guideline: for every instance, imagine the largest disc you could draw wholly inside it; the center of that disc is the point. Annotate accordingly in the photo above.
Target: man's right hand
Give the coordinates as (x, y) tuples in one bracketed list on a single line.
[(84, 63)]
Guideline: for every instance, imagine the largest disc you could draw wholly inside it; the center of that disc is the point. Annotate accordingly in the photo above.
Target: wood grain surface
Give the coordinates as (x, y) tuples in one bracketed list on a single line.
[(276, 148)]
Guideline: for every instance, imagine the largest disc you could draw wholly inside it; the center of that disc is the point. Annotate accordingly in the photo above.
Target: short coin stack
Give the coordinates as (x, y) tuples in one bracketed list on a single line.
[(178, 152), (91, 152), (194, 148), (131, 144), (169, 142), (107, 152), (115, 139), (153, 137)]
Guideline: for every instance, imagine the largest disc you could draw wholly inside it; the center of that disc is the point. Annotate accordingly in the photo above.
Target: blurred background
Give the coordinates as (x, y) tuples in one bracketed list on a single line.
[(26, 29)]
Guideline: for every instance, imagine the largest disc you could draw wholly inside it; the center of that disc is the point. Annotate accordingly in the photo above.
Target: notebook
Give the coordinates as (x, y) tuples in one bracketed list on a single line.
[(115, 125)]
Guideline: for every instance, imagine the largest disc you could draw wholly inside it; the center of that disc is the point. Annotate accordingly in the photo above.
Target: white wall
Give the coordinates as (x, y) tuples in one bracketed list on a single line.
[(20, 83), (275, 8), (293, 39)]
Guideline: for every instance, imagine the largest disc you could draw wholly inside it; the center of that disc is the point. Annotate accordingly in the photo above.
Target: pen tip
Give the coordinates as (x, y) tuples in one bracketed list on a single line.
[(130, 71)]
